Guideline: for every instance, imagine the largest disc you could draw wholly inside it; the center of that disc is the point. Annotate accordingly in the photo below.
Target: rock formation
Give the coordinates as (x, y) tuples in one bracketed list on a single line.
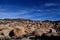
[(20, 27)]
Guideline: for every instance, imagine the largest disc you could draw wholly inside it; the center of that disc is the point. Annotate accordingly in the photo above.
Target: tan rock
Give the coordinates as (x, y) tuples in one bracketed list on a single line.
[(48, 24), (1, 32), (29, 30), (41, 31), (19, 31), (54, 33), (2, 27), (6, 32)]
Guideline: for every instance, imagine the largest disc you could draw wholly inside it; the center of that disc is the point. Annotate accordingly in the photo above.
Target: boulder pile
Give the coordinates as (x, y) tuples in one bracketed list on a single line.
[(21, 27)]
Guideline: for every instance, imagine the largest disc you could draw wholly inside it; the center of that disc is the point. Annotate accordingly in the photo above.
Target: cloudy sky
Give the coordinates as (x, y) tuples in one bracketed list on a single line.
[(30, 9)]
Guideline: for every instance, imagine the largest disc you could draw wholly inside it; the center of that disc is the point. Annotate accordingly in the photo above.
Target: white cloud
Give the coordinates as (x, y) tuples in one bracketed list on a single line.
[(22, 13), (50, 4)]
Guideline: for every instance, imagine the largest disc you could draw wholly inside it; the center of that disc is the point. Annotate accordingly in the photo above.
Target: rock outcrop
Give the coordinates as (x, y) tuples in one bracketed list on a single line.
[(20, 27)]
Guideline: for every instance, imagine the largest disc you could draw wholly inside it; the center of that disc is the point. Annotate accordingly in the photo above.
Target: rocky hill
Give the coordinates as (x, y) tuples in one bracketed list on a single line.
[(25, 28)]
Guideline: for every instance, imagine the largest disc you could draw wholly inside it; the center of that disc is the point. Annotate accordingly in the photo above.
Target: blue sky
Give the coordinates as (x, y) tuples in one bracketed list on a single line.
[(30, 9)]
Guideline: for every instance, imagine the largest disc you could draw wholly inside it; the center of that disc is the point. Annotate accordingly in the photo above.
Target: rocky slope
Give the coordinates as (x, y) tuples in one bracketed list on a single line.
[(20, 28)]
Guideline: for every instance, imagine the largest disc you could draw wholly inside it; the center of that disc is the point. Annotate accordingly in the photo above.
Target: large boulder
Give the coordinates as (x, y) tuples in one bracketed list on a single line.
[(6, 32), (2, 27), (19, 31), (41, 31)]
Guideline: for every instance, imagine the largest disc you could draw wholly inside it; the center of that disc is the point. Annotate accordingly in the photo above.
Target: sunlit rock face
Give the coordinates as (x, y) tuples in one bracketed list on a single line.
[(19, 31), (21, 27)]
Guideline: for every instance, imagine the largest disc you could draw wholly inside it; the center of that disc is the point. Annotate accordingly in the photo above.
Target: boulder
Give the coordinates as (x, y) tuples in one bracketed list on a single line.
[(19, 31), (41, 31), (2, 27)]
